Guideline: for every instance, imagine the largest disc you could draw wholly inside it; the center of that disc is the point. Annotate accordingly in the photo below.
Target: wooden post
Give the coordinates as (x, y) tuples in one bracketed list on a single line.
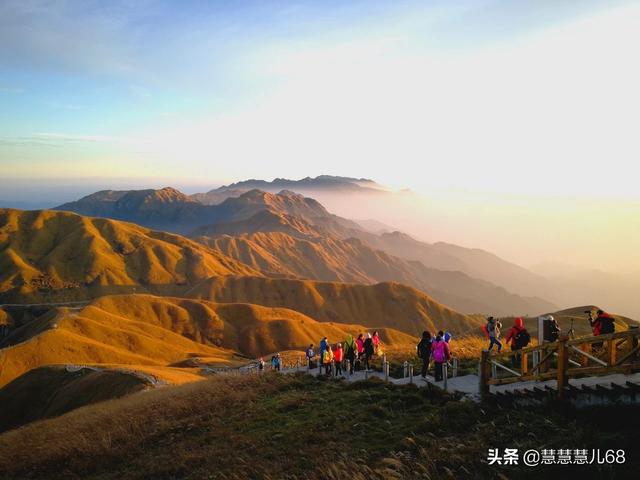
[(563, 357), (524, 363), (454, 368), (445, 374), (611, 350), (411, 373), (484, 373), (585, 347), (385, 367), (406, 369)]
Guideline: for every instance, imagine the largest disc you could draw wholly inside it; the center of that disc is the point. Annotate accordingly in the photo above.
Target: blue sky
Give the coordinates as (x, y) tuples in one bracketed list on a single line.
[(505, 116), (201, 91)]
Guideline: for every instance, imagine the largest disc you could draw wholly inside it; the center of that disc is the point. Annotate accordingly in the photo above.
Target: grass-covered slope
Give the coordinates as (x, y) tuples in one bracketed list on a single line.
[(280, 426), (157, 331), (390, 304), (49, 250)]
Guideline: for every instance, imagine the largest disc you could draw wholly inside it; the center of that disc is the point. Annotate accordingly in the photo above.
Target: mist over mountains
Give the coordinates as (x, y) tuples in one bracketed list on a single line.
[(286, 233)]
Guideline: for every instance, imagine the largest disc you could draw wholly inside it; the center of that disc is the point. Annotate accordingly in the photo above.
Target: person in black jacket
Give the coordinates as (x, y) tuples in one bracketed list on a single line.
[(424, 352), (368, 350)]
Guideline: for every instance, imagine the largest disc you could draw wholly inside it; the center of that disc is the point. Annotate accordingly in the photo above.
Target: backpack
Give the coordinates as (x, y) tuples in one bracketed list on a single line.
[(424, 348), (485, 330), (607, 325), (522, 339)]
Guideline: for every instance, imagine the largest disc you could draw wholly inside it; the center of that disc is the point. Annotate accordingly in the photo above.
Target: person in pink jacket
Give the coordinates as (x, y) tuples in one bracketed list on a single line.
[(440, 354), (360, 344)]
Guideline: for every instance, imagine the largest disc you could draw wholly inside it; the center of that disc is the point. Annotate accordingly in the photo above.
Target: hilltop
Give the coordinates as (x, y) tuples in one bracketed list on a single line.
[(307, 185), (45, 251), (170, 210)]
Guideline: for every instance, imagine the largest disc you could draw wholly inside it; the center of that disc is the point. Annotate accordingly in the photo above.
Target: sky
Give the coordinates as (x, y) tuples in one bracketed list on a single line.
[(510, 117)]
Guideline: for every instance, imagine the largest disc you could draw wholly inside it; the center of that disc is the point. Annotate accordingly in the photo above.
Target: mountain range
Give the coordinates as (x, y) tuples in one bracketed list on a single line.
[(307, 185), (313, 243)]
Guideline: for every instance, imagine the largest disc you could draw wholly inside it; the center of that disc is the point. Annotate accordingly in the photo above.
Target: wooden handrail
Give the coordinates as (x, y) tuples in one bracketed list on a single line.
[(610, 361)]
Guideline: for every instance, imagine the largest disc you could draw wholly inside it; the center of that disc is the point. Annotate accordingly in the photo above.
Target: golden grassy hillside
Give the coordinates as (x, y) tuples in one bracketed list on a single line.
[(93, 336), (158, 331), (58, 250), (320, 258), (249, 329), (390, 304)]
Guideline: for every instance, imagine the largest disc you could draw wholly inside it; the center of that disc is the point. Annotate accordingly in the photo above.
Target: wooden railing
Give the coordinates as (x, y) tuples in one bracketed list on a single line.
[(562, 360)]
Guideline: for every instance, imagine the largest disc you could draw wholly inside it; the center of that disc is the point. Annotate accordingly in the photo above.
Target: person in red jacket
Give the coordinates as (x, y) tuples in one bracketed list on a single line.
[(517, 338), (338, 355)]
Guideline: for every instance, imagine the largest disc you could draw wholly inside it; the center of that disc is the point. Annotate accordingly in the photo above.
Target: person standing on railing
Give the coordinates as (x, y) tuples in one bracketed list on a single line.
[(338, 356), (350, 352), (517, 338), (424, 352), (440, 354), (310, 354), (493, 330)]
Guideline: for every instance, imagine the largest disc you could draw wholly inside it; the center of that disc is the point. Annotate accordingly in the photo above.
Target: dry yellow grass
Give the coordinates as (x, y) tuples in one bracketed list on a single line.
[(59, 250), (157, 331), (389, 304), (5, 318)]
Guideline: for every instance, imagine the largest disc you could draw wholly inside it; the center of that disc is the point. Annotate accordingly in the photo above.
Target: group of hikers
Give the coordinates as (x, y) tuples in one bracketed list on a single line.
[(351, 353), (518, 337), (355, 354), (434, 349)]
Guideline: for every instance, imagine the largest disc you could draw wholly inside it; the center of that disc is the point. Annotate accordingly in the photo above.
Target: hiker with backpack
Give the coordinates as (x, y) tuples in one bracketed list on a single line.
[(368, 350), (440, 354), (310, 354), (338, 356), (493, 327), (517, 338), (276, 362), (323, 346), (602, 325), (350, 352), (424, 352)]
